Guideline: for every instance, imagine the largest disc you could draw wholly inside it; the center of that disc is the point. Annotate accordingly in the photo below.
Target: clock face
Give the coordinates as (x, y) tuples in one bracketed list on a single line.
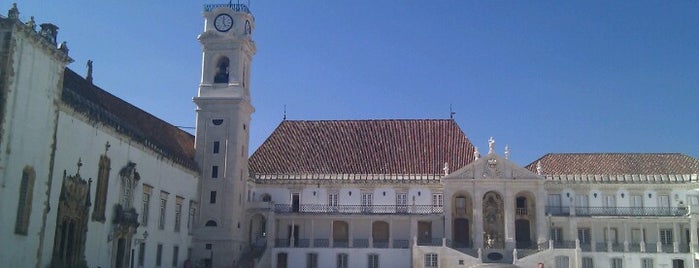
[(223, 22)]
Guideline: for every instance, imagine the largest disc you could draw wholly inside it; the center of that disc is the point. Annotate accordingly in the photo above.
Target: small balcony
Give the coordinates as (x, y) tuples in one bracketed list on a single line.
[(314, 209)]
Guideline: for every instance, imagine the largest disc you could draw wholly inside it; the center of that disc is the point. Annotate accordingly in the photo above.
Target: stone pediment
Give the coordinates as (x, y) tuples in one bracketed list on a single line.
[(493, 167)]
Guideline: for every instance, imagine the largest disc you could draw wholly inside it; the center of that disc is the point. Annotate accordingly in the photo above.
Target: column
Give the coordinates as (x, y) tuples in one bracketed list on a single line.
[(330, 238), (477, 219), (626, 238), (292, 240), (390, 232), (542, 221), (643, 239), (311, 239), (692, 234), (658, 244), (509, 218), (593, 237), (675, 237), (609, 238)]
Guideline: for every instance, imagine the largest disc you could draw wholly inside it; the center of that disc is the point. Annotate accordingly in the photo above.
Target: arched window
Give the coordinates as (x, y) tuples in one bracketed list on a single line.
[(222, 70), (211, 223), (340, 233)]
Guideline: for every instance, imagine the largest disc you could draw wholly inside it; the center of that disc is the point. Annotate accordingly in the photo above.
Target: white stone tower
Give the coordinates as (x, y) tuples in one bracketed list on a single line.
[(223, 127)]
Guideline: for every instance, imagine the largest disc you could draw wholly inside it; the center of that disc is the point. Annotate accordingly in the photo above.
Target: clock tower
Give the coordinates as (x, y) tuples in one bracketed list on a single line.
[(222, 131)]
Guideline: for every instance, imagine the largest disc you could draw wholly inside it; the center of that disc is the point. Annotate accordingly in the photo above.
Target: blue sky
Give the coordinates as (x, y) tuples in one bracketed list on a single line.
[(540, 76)]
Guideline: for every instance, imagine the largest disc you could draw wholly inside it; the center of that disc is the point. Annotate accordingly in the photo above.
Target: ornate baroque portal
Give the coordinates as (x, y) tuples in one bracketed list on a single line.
[(71, 223), (125, 217), (493, 221)]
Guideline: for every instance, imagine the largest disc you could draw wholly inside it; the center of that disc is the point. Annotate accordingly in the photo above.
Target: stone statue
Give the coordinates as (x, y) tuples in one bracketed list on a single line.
[(491, 145), (446, 168), (538, 168), (507, 152), (89, 71), (476, 154)]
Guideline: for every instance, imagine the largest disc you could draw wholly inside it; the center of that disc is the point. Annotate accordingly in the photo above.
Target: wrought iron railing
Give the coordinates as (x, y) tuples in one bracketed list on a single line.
[(360, 243), (563, 244), (429, 242), (358, 209), (617, 211), (235, 7), (381, 244), (321, 243), (401, 243)]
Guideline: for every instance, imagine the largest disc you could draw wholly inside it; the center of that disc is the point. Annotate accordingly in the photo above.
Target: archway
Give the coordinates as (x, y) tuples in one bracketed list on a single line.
[(525, 219)]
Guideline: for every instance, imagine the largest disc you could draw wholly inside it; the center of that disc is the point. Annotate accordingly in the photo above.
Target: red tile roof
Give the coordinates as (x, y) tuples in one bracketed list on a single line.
[(152, 132), (363, 147), (616, 164)]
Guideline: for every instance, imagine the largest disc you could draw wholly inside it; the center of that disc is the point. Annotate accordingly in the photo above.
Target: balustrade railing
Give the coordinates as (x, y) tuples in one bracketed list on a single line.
[(401, 243), (429, 242), (521, 211), (617, 211), (358, 209), (360, 243)]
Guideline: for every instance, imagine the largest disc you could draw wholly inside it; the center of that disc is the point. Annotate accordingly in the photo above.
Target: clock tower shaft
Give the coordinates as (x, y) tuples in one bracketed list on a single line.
[(222, 132)]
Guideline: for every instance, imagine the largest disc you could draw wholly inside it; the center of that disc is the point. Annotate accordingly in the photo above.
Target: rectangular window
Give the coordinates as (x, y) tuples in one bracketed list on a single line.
[(587, 262), (141, 254), (24, 204), (646, 263), (145, 208), (666, 236), (582, 205), (178, 212), (342, 260), (216, 147), (557, 234), (611, 235), (562, 262), (212, 197), (609, 203), (312, 260), (431, 260), (214, 172), (373, 261), (554, 204), (402, 202), (367, 202), (664, 204), (281, 260), (159, 256), (584, 235), (437, 200), (175, 255), (616, 263), (163, 207), (102, 187), (333, 199), (190, 217)]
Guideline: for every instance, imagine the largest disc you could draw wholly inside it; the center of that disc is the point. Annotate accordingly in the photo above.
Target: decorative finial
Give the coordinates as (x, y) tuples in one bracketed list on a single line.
[(491, 145), (106, 147), (31, 23), (446, 168), (80, 164), (451, 112), (476, 154), (89, 72), (13, 13), (538, 168), (507, 152), (284, 112)]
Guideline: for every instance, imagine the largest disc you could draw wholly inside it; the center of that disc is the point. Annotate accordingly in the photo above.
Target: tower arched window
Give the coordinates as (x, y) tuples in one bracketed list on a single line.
[(222, 70)]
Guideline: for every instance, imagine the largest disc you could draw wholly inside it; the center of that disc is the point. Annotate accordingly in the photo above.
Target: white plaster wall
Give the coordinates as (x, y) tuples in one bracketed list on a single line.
[(357, 258), (79, 139), (27, 132)]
